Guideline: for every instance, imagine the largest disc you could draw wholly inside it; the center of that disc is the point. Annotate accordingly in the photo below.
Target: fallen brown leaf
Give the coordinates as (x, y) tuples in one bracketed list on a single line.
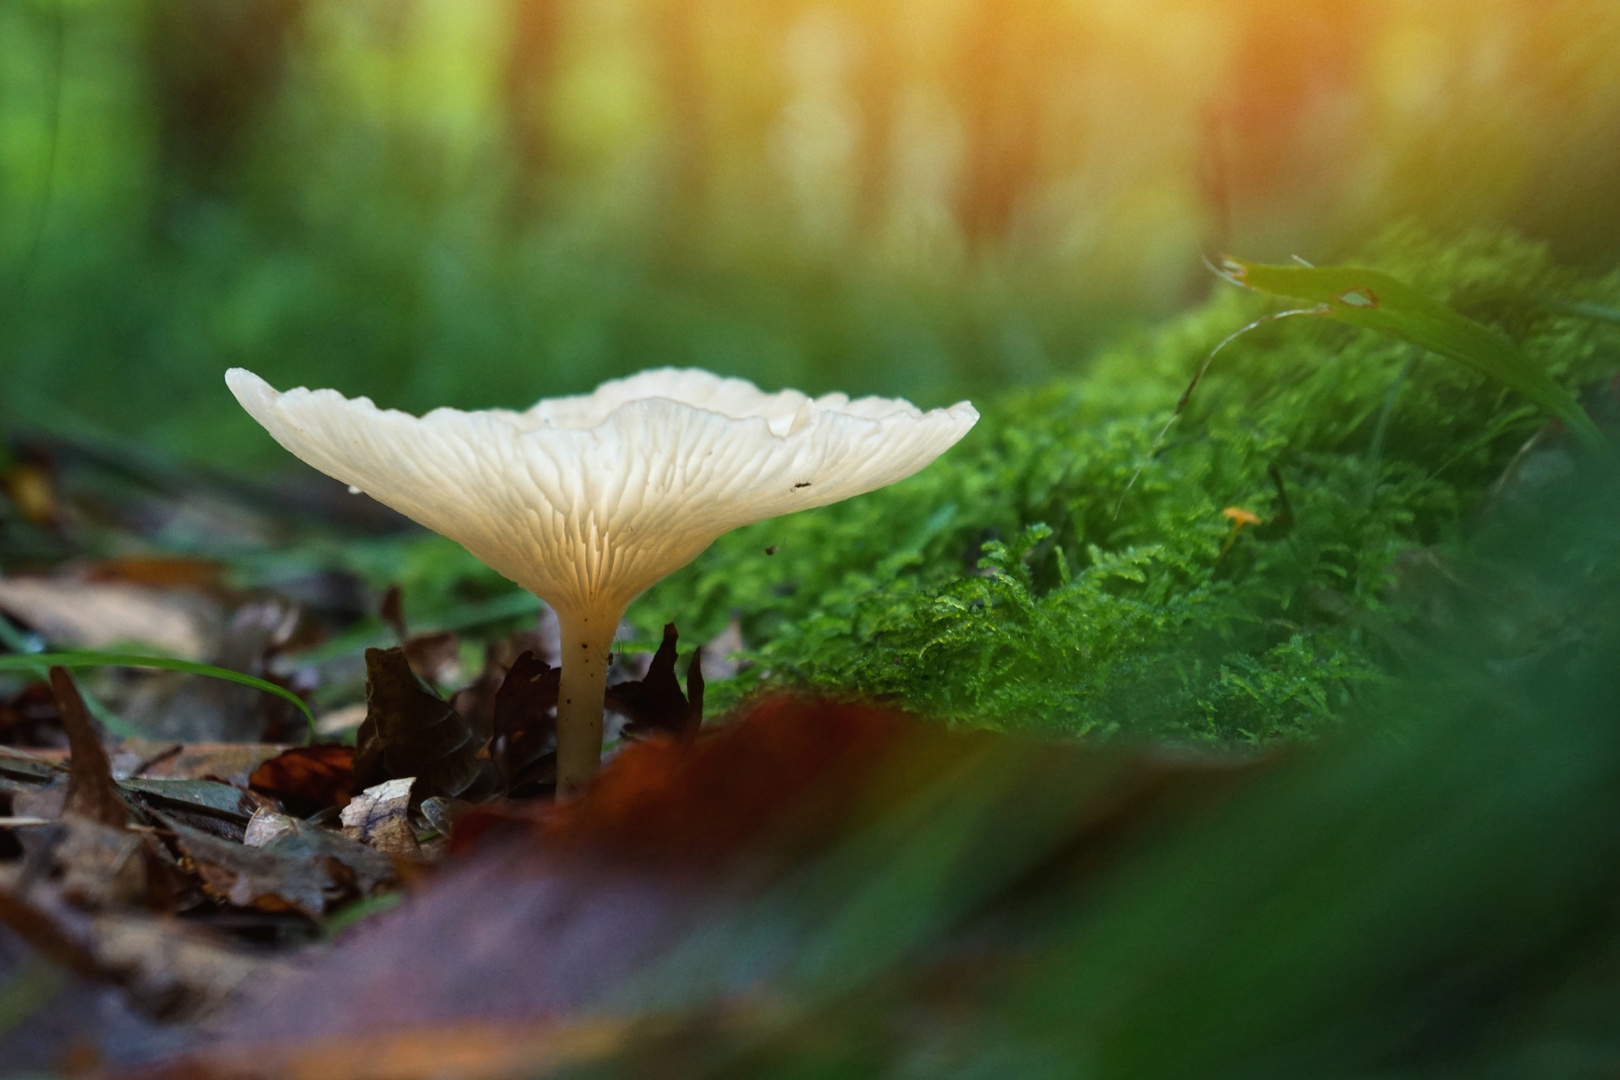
[(476, 701), (308, 870), (307, 779), (411, 731)]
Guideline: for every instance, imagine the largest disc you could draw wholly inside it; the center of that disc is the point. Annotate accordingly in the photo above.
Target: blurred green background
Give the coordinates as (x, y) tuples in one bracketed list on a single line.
[(440, 202)]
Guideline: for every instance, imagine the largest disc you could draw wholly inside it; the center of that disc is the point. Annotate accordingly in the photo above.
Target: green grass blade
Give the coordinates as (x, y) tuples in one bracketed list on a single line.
[(32, 662), (1598, 312), (18, 642), (1375, 301)]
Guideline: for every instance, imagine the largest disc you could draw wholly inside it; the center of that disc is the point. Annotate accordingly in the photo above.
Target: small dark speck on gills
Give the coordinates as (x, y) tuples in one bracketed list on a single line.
[(802, 483)]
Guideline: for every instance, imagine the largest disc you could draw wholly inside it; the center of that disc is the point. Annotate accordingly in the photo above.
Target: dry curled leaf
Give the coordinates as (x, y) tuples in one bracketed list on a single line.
[(411, 731), (379, 818), (654, 704), (268, 826)]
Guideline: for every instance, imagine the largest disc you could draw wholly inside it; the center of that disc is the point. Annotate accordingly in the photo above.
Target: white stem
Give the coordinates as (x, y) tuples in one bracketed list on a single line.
[(587, 644)]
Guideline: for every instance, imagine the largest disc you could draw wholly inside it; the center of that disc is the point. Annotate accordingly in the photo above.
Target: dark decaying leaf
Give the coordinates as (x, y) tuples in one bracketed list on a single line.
[(21, 773), (209, 805), (307, 870), (307, 779), (525, 722), (91, 791), (476, 701), (202, 796), (654, 705), (411, 731)]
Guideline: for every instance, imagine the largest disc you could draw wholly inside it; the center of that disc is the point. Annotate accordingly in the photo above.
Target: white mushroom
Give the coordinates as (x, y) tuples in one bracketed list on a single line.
[(586, 501)]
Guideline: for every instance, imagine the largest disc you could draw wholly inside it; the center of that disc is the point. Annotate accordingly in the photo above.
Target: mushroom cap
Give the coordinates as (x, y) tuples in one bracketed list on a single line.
[(1241, 517), (588, 500)]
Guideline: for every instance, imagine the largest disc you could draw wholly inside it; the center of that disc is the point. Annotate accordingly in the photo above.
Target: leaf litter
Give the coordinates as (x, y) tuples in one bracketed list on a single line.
[(234, 840)]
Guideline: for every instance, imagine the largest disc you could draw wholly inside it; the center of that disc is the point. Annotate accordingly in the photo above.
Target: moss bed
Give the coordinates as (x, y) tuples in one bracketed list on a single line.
[(1018, 584)]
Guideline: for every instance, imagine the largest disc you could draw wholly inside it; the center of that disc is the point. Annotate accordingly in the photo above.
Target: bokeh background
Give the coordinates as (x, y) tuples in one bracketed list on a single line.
[(475, 203)]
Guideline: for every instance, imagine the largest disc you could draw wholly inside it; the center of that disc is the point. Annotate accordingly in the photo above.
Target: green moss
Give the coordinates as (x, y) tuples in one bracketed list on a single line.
[(1000, 587)]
